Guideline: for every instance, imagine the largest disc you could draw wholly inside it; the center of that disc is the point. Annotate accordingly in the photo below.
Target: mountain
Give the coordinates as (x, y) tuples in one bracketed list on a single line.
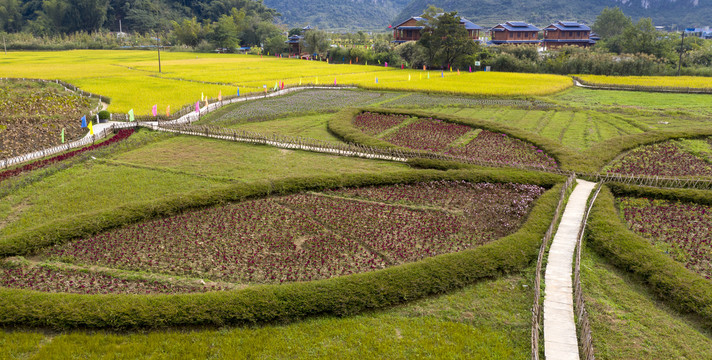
[(338, 14), (487, 13)]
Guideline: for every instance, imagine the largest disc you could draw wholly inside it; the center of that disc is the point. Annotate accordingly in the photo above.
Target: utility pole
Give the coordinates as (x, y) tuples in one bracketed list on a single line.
[(682, 42), (158, 41)]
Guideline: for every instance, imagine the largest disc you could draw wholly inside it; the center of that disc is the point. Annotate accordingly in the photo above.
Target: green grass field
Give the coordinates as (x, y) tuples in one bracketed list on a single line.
[(628, 322), (490, 319)]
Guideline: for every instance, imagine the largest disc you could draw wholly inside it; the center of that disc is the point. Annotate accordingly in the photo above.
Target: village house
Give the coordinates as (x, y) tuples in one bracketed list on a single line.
[(409, 30), (514, 32), (567, 33), (295, 42)]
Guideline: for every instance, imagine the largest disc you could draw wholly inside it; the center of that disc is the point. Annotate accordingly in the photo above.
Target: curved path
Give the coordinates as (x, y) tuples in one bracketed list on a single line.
[(560, 341)]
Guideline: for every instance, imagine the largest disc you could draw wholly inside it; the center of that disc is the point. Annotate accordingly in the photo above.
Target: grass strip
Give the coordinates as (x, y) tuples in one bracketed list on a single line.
[(670, 281)]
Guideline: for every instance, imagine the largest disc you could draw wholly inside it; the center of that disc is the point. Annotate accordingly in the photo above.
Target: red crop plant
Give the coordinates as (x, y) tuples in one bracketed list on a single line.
[(680, 229)]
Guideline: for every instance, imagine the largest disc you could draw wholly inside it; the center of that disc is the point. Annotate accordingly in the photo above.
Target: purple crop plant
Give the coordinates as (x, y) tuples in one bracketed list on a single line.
[(664, 159), (80, 282), (438, 136), (312, 236), (683, 230), (428, 134), (503, 149), (374, 123)]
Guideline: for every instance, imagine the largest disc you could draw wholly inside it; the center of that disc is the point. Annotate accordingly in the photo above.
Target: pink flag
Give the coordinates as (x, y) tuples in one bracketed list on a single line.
[(155, 110), (197, 107), (334, 81), (386, 63)]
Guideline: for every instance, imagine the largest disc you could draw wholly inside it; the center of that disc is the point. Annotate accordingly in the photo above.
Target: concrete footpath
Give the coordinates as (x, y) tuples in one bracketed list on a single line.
[(560, 341)]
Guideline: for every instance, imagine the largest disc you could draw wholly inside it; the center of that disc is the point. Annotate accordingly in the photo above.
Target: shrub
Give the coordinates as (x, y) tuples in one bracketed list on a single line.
[(104, 115)]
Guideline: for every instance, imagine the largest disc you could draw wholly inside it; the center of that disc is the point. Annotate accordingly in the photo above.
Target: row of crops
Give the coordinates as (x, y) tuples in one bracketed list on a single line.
[(37, 111), (300, 237)]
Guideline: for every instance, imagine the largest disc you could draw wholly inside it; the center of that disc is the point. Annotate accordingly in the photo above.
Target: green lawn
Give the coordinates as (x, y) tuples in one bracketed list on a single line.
[(309, 126), (244, 162), (90, 188), (576, 129), (628, 322), (490, 319)]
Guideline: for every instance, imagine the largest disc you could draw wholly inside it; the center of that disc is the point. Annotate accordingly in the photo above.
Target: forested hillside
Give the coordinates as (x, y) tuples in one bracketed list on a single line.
[(338, 14), (49, 17)]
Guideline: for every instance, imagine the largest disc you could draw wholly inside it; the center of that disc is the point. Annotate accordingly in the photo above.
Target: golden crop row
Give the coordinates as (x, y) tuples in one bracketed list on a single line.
[(131, 78), (651, 81)]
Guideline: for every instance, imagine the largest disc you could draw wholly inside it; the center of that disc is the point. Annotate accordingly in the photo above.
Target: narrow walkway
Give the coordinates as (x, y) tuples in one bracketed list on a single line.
[(560, 340)]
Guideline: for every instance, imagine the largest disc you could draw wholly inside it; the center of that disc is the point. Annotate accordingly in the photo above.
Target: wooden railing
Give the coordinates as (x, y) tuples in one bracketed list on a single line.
[(584, 327)]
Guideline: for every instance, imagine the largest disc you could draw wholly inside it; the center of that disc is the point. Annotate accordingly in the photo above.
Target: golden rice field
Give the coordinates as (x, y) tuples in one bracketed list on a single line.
[(131, 78), (655, 81)]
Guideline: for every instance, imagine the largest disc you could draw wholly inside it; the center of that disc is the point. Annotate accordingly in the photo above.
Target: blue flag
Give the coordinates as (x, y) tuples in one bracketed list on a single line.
[(238, 92), (84, 121)]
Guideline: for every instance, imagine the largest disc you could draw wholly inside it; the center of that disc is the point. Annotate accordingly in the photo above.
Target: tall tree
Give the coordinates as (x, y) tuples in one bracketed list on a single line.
[(611, 22), (10, 15), (315, 42)]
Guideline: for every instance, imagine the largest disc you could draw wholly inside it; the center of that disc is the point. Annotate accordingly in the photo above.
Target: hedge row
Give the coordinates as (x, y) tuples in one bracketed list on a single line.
[(604, 152), (672, 282), (703, 197), (278, 303), (83, 225), (588, 161), (341, 125)]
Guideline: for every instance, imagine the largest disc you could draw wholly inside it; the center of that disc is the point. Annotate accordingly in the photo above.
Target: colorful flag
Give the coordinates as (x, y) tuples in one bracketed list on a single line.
[(386, 63), (202, 97), (62, 135), (470, 67), (300, 81), (350, 62), (276, 86), (357, 59), (265, 88), (282, 85), (376, 79), (408, 77), (168, 111), (238, 92), (154, 110), (402, 66), (317, 80), (442, 73), (220, 95), (91, 127), (197, 107), (131, 115), (458, 71), (423, 67), (84, 121)]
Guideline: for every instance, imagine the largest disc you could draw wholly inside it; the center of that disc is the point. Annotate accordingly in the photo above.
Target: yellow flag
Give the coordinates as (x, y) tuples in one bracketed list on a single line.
[(300, 81), (91, 128)]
